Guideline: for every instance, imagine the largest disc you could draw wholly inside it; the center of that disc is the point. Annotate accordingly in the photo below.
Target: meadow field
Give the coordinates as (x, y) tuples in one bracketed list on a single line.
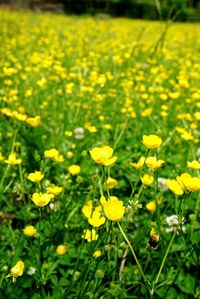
[(99, 158)]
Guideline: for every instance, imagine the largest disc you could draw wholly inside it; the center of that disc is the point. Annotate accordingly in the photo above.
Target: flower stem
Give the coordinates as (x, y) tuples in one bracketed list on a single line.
[(165, 256), (162, 264), (132, 250)]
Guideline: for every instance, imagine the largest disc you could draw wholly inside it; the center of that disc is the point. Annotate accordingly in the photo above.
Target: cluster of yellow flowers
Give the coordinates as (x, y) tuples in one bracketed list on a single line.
[(54, 155), (89, 89), (32, 121), (183, 183)]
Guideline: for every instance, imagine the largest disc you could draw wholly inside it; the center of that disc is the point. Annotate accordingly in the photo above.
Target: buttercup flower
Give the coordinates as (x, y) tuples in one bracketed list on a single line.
[(111, 183), (103, 155), (174, 187), (139, 164), (33, 121), (192, 184), (55, 190), (194, 164), (151, 141), (30, 231), (182, 178), (97, 254), (153, 163), (41, 199), (114, 209), (12, 160), (87, 209), (16, 271), (96, 219), (54, 155), (90, 235), (151, 206), (35, 177), (61, 249), (189, 183), (74, 169), (147, 179)]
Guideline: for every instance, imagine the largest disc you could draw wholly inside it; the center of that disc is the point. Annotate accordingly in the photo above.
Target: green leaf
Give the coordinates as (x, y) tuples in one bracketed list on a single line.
[(186, 283)]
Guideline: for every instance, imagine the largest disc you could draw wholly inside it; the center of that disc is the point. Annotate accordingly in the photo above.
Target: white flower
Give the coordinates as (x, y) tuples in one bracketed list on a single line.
[(31, 271), (53, 206), (162, 185), (172, 220), (79, 133)]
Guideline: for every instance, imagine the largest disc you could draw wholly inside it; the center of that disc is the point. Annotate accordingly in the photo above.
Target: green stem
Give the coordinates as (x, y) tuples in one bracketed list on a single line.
[(120, 134), (162, 264), (133, 252)]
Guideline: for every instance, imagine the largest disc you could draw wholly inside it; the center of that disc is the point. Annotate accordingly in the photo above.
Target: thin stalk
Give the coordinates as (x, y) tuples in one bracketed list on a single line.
[(120, 134), (165, 256), (133, 252), (162, 264)]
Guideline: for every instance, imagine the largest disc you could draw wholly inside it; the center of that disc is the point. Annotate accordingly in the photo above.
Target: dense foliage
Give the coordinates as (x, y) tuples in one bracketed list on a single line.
[(99, 158)]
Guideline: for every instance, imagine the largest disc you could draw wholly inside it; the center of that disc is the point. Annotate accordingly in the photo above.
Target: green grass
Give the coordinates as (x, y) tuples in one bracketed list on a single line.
[(118, 80)]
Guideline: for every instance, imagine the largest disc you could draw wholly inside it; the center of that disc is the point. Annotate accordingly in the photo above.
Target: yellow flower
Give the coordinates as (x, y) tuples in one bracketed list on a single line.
[(55, 190), (30, 231), (16, 271), (147, 179), (68, 133), (103, 155), (151, 206), (54, 155), (87, 209), (74, 169), (139, 164), (97, 254), (59, 158), (151, 141), (174, 187), (102, 200), (146, 112), (113, 209), (90, 235), (181, 180), (111, 183), (96, 219), (187, 136), (69, 154), (41, 199), (61, 249), (12, 160), (33, 121), (194, 164), (35, 176), (90, 128), (153, 163), (192, 183)]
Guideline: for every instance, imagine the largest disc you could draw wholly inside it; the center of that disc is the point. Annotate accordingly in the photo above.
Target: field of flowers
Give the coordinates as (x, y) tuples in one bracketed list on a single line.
[(99, 158)]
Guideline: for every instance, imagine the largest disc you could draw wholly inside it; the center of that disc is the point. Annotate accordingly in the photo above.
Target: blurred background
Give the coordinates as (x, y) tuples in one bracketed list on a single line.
[(177, 10)]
